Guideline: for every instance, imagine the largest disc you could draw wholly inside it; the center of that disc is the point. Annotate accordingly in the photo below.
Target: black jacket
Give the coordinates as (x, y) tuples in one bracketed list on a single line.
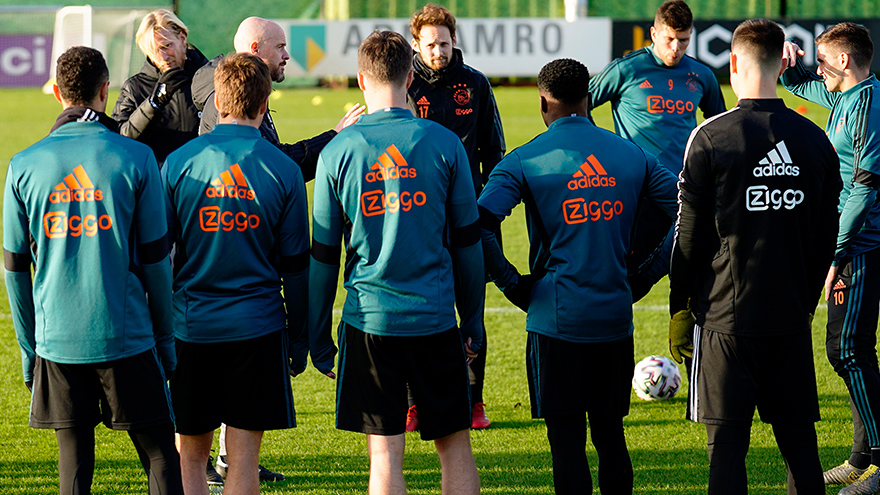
[(460, 98), (757, 221), (304, 153), (162, 130)]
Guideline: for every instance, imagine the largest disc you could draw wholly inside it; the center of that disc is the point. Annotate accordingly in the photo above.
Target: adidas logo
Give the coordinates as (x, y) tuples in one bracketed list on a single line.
[(423, 101), (230, 184), (839, 285), (391, 165), (646, 85), (777, 162), (591, 174), (77, 186)]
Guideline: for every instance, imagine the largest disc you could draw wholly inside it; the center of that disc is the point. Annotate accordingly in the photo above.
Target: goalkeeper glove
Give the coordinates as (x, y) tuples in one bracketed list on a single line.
[(681, 327)]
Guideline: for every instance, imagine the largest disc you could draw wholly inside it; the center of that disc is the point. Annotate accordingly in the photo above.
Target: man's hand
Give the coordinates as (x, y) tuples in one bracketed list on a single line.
[(350, 117), (169, 83), (681, 327), (468, 352), (30, 386), (829, 281), (790, 52), (521, 293)]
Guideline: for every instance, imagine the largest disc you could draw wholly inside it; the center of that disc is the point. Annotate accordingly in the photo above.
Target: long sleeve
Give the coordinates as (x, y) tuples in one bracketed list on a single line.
[(713, 100), (661, 186), (501, 194), (809, 86), (133, 117), (661, 189), (855, 211), (695, 224), (466, 251), (19, 286), (327, 219), (294, 243), (606, 86), (153, 257), (306, 152)]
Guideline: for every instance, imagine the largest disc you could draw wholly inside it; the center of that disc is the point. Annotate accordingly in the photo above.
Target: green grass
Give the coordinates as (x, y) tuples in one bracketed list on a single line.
[(669, 453)]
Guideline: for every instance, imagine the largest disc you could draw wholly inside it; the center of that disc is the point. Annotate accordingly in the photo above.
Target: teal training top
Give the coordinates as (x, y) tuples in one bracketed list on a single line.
[(854, 129), (581, 187), (400, 190), (90, 200), (655, 106), (238, 211)]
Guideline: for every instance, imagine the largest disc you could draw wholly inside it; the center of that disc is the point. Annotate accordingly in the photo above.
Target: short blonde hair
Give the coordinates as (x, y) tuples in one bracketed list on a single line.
[(153, 22)]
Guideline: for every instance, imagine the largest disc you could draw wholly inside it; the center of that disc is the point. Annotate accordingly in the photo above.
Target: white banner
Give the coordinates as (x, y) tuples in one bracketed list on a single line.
[(496, 47)]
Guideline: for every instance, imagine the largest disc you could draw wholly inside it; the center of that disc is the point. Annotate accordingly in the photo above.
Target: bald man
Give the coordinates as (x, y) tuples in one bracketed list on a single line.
[(265, 39)]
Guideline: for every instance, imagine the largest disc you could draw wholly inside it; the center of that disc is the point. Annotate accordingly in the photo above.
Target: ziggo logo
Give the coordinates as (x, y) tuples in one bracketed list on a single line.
[(378, 202), (657, 104), (57, 224), (212, 219), (578, 210)]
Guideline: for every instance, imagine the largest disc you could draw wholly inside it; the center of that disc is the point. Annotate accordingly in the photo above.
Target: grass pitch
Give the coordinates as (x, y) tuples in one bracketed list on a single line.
[(668, 453)]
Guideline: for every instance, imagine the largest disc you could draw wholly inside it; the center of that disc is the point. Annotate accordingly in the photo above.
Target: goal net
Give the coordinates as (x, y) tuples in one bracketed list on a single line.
[(34, 38)]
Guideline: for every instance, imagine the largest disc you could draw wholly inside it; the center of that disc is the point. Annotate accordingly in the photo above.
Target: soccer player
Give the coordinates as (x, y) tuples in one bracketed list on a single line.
[(398, 188), (844, 84), (581, 186), (654, 94), (265, 39), (459, 97), (238, 211), (758, 193), (155, 106), (80, 206)]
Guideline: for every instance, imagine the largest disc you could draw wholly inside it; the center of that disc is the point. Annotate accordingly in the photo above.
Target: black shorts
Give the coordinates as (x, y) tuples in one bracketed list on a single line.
[(254, 393), (126, 394), (573, 378), (373, 374), (731, 375)]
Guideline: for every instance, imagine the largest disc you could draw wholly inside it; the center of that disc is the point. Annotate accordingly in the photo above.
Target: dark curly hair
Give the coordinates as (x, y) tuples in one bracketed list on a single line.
[(566, 80), (79, 73)]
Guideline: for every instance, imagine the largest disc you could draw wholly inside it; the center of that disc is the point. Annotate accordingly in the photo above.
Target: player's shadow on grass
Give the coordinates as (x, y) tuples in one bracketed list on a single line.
[(686, 471), (519, 473), (39, 477)]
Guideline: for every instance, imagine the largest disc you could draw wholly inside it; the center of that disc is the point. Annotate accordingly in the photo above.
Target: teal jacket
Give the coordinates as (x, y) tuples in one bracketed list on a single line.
[(854, 129), (88, 199), (581, 186), (237, 210), (399, 190), (655, 106)]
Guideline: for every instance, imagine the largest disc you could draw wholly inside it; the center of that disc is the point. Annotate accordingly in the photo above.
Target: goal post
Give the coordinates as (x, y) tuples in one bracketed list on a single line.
[(110, 30)]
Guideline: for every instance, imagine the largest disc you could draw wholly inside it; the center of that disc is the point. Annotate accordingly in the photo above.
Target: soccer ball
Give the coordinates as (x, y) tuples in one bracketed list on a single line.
[(656, 378)]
